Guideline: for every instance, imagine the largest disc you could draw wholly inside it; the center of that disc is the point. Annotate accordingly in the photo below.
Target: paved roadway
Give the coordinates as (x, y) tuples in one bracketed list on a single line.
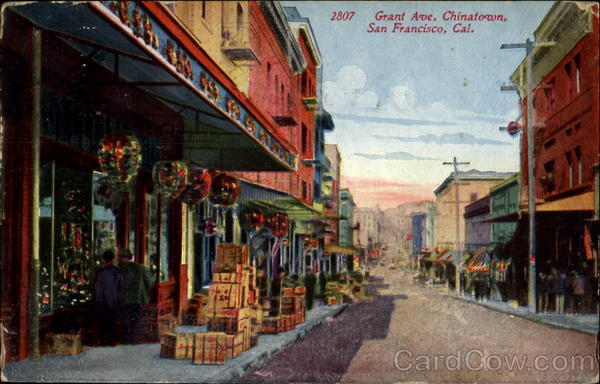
[(412, 333)]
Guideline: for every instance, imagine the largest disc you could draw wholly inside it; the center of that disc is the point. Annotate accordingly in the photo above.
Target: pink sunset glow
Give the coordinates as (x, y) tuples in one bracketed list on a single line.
[(385, 193)]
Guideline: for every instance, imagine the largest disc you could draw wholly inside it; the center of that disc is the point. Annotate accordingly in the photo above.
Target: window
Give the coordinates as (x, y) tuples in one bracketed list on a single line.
[(474, 196), (240, 20), (204, 9), (282, 93), (304, 139), (577, 62), (550, 143), (570, 163), (579, 159), (547, 181), (289, 102), (276, 86), (549, 93), (570, 78)]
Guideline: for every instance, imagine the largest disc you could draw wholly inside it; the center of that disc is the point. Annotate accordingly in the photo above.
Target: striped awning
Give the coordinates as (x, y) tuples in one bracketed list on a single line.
[(480, 261)]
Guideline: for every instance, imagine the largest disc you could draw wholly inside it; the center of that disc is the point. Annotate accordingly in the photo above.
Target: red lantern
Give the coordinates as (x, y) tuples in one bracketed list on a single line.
[(198, 185), (169, 177), (253, 220), (278, 224), (307, 242), (513, 128), (120, 156), (225, 190)]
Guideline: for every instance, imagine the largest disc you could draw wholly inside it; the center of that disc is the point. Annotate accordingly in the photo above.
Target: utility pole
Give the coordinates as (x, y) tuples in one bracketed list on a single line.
[(528, 46), (457, 243)]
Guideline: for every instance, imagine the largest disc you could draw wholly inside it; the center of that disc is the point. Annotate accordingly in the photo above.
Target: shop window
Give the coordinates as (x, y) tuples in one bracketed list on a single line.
[(76, 226)]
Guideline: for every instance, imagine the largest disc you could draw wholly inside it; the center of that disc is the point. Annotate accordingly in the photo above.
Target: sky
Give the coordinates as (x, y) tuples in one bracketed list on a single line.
[(403, 103)]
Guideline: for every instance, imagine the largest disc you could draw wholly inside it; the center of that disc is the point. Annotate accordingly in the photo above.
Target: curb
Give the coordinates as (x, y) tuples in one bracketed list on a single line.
[(528, 317), (236, 371)]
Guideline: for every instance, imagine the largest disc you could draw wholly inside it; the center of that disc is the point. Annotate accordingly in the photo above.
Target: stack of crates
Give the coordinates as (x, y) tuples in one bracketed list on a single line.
[(194, 314), (232, 301)]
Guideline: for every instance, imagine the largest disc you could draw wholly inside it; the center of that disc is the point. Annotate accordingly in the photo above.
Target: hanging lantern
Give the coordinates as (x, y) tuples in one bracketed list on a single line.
[(252, 220), (169, 177), (198, 185), (307, 242), (278, 224), (120, 156), (225, 190)]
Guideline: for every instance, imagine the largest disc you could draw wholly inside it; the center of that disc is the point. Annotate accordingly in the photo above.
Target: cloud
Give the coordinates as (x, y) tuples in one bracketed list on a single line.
[(399, 155), (392, 120), (446, 138)]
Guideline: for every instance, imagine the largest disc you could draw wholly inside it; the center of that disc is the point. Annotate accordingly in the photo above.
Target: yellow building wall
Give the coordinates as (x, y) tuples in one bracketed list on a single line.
[(218, 27), (445, 210)]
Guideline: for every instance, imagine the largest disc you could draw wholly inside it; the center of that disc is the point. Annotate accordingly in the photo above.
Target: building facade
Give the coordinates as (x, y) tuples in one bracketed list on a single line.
[(473, 184), (566, 118), (478, 229)]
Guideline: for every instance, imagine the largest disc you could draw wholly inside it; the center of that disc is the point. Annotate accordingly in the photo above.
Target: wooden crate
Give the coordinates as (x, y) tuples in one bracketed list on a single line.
[(288, 323), (62, 343), (177, 345), (229, 256), (225, 296), (235, 344), (210, 348), (271, 325), (228, 325), (299, 318), (167, 324)]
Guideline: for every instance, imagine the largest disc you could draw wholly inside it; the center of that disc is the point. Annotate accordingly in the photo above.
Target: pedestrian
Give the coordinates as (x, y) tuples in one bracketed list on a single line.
[(108, 294), (558, 290), (579, 291), (276, 291), (310, 281), (569, 292), (138, 282)]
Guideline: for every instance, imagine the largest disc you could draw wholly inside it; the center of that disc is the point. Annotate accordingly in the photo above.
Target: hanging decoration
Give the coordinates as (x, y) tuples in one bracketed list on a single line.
[(278, 223), (310, 243), (207, 227), (120, 156), (233, 108), (169, 177), (252, 220), (210, 88), (225, 190), (198, 185)]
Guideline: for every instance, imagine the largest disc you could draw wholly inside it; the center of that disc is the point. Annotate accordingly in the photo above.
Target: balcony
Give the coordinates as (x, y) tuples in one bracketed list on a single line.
[(311, 102), (237, 49)]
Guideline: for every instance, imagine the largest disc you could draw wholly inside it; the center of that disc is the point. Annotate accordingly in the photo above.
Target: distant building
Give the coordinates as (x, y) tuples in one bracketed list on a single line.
[(369, 235), (347, 221), (474, 184), (477, 226), (398, 232)]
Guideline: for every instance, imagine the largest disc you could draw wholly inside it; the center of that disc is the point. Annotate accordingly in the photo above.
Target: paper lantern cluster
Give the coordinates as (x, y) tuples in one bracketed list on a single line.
[(169, 177), (252, 220), (197, 187), (225, 190), (120, 156), (278, 223)]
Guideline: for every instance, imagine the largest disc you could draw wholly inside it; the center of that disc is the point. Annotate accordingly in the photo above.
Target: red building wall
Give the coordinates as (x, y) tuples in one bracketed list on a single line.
[(275, 89), (570, 113)]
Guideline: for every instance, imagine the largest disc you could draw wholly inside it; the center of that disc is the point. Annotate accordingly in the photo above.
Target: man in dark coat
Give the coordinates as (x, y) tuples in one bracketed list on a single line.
[(108, 293), (138, 282)]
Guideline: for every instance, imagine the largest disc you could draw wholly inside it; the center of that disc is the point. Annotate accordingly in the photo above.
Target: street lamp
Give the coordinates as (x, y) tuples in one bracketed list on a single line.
[(528, 46)]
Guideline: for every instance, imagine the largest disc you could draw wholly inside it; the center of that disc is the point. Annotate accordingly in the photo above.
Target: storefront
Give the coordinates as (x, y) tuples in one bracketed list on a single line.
[(80, 73)]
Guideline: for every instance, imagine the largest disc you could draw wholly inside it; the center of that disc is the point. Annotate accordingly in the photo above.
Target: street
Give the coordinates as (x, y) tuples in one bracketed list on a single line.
[(412, 333)]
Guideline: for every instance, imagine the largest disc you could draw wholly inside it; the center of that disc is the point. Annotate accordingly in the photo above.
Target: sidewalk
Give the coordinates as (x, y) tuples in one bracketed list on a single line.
[(142, 362), (586, 323)]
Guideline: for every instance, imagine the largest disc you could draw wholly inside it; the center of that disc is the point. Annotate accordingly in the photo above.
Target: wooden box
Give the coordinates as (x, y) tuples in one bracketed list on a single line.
[(228, 325), (333, 300), (271, 325), (62, 343), (288, 323), (235, 344), (177, 345), (229, 256), (224, 296), (166, 325), (210, 348)]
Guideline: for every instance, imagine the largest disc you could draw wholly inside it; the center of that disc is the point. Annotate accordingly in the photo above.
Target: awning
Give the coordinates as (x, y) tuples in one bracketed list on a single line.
[(582, 202), (480, 261), (222, 127), (511, 217), (334, 248)]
